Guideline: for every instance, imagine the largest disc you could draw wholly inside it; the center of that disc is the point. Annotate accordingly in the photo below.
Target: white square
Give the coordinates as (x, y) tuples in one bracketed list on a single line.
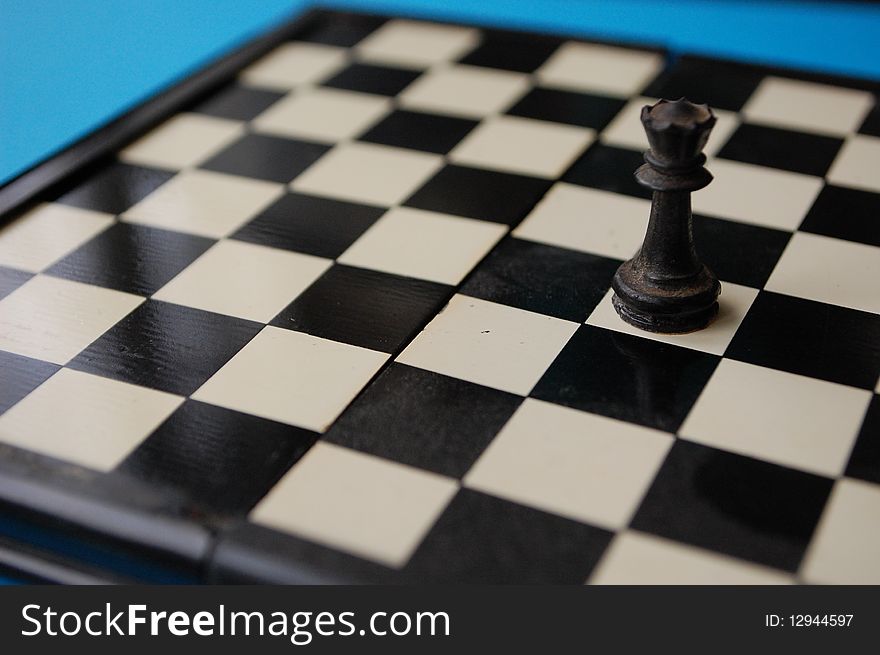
[(858, 164), (829, 270), (417, 45), (490, 344), (846, 546), (204, 203), (779, 417), (733, 305), (322, 114), (86, 419), (363, 172), (582, 466), (292, 377), (361, 504), (293, 64), (243, 279), (46, 233), (522, 145), (53, 319), (467, 91), (757, 194), (635, 558), (597, 68), (185, 140), (797, 105), (424, 244), (589, 220), (626, 129)]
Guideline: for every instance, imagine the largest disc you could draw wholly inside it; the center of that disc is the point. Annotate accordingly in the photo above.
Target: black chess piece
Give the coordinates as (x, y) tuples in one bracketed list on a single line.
[(664, 287)]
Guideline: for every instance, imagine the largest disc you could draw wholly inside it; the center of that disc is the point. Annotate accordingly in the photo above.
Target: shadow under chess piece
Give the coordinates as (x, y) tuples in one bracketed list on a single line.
[(665, 288)]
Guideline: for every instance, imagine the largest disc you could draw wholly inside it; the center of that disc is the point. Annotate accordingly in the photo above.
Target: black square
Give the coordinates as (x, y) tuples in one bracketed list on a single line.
[(370, 78), (734, 505), (486, 540), (20, 376), (514, 51), (810, 338), (112, 187), (132, 258), (609, 168), (626, 377), (316, 226), (568, 107), (167, 347), (864, 462), (266, 157), (419, 131), (810, 154), (544, 279), (364, 308), (871, 124), (11, 279), (341, 29), (218, 458), (237, 102), (721, 84), (477, 193), (737, 252), (844, 213), (424, 419)]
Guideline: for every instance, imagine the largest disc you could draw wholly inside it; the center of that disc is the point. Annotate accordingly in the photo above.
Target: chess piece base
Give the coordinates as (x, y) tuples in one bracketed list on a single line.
[(670, 306)]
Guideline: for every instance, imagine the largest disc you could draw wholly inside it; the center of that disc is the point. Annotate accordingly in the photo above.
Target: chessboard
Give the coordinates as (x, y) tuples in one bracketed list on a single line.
[(337, 309)]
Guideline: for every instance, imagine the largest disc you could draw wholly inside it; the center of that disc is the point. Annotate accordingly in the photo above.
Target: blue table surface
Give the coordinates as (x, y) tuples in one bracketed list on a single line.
[(69, 66)]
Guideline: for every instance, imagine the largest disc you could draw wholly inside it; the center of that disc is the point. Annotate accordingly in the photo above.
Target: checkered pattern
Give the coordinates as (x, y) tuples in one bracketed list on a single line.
[(356, 306)]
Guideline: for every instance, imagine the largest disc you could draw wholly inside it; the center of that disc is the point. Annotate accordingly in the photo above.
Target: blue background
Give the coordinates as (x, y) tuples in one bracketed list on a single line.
[(68, 66)]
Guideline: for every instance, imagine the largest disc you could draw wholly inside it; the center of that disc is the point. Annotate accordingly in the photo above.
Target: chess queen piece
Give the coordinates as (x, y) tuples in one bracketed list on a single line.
[(664, 287)]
